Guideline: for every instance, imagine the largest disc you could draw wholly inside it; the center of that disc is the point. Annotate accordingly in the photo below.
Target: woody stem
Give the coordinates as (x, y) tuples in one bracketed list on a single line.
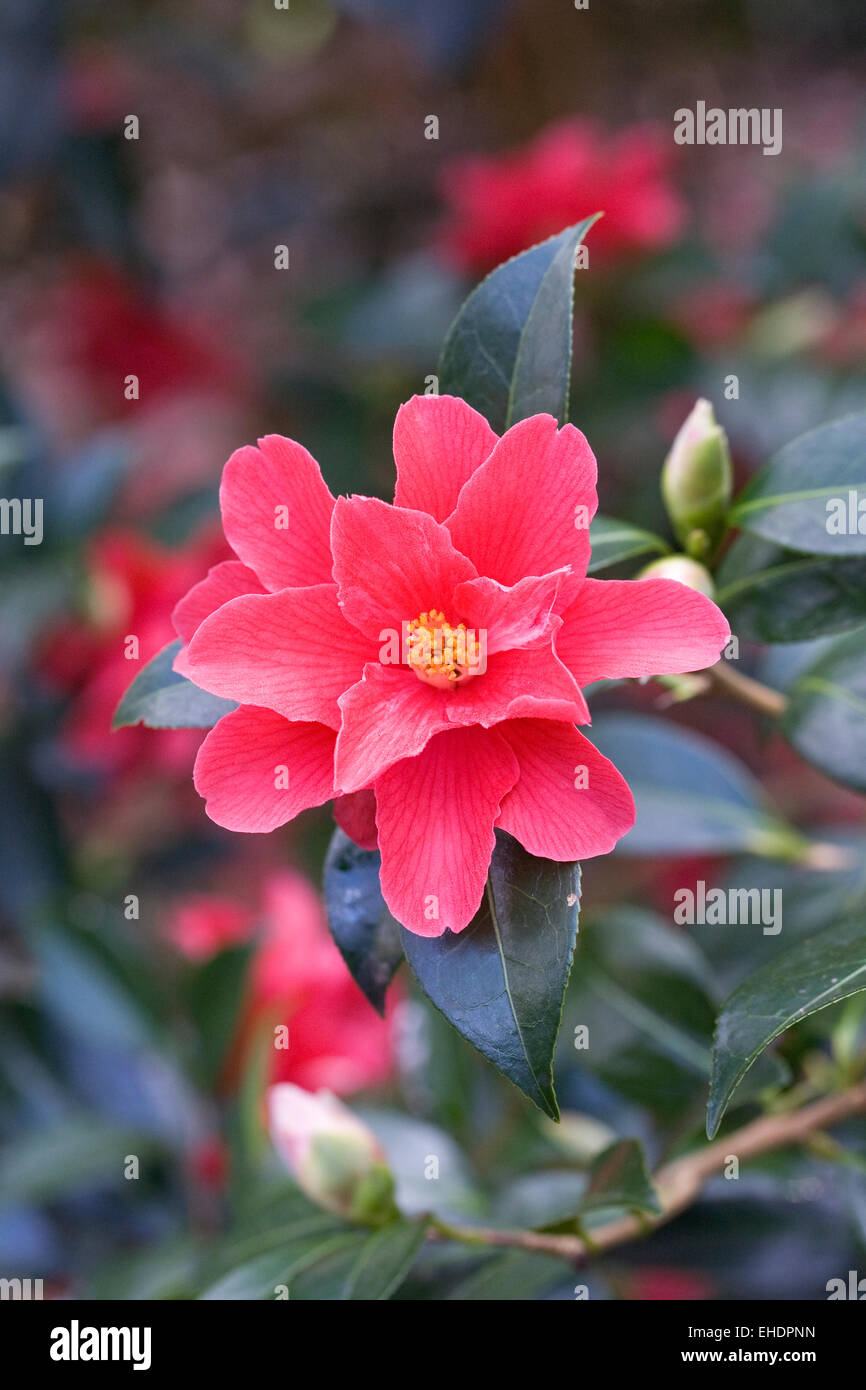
[(678, 1183), (747, 690)]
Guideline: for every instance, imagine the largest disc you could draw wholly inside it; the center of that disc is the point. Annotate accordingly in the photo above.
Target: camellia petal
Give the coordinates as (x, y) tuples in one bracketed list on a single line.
[(436, 814), (355, 813), (292, 652), (276, 510), (387, 716), (526, 511), (256, 770), (392, 564), (644, 627), (570, 802), (516, 684), (439, 441), (224, 582), (520, 616)]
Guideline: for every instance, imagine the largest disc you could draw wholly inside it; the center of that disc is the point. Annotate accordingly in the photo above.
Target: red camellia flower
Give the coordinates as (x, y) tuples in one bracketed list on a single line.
[(132, 585), (298, 980), (502, 204), (423, 662), (336, 1040), (202, 924)]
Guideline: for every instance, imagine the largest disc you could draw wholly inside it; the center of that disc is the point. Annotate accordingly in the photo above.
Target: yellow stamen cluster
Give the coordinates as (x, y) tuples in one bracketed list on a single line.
[(440, 653)]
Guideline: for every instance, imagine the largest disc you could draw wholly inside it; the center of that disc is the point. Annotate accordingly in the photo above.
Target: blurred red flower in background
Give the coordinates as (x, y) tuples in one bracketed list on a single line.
[(654, 1284), (298, 979), (205, 923), (80, 332), (132, 585), (498, 205)]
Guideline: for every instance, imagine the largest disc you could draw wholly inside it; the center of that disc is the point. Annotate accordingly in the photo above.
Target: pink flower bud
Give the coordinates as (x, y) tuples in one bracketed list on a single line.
[(334, 1158), (683, 569)]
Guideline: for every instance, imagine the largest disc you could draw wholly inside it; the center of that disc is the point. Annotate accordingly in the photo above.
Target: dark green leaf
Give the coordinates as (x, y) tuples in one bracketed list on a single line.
[(215, 995), (645, 996), (79, 1152), (826, 717), (261, 1277), (362, 926), (538, 1201), (618, 1178), (780, 666), (501, 981), (787, 502), (816, 972), (80, 989), (692, 796), (385, 1261), (776, 595), (323, 1278), (168, 1270), (614, 541), (517, 1277), (31, 595), (617, 1183), (508, 352), (801, 899), (161, 699), (32, 859)]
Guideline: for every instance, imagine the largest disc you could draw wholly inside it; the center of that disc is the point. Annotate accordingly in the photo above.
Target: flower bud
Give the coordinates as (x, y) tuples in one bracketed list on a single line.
[(696, 482), (334, 1158), (680, 567)]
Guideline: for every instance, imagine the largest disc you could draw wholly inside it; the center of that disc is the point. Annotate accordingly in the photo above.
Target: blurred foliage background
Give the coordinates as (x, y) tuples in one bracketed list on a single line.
[(144, 953)]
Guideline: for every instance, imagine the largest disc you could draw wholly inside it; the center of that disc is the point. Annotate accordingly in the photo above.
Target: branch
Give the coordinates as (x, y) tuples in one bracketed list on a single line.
[(748, 691), (678, 1183)]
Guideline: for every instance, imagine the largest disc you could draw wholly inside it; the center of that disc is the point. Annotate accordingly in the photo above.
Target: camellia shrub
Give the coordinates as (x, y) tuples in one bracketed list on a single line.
[(430, 667)]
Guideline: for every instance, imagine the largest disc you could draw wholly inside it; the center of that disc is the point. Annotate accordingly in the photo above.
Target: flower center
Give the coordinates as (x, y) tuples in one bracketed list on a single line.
[(442, 654)]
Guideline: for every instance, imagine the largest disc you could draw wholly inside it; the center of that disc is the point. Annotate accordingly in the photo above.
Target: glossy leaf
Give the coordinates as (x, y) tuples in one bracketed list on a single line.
[(618, 1178), (79, 988), (648, 998), (508, 352), (76, 1154), (826, 717), (516, 1277), (816, 972), (162, 699), (615, 541), (775, 595), (501, 981), (323, 1277), (385, 1261), (787, 502), (692, 796), (541, 1200), (215, 997), (362, 926), (262, 1276), (797, 901), (645, 995)]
